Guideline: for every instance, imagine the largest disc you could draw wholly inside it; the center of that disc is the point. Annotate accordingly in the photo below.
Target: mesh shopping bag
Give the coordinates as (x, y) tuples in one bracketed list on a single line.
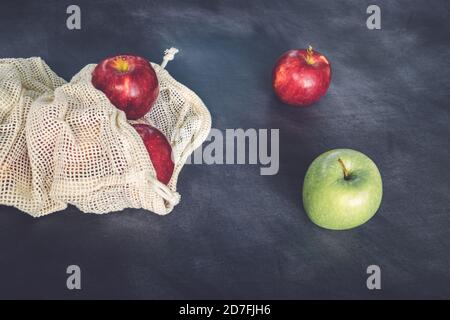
[(65, 143)]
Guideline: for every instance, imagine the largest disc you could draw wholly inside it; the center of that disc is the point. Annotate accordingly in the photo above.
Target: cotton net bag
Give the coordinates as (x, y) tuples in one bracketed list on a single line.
[(65, 143)]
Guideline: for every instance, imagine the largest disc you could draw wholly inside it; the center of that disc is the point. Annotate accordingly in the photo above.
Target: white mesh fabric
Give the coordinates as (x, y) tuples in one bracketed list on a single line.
[(65, 143)]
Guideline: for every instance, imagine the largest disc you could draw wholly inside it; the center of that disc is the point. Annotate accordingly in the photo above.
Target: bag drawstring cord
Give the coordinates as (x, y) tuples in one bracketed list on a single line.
[(173, 198), (169, 55)]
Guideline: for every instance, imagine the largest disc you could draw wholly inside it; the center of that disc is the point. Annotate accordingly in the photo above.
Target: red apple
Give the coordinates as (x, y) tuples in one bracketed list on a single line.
[(129, 82), (301, 77), (159, 150)]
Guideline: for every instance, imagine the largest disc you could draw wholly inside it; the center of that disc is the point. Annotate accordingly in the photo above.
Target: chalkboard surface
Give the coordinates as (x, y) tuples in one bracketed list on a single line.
[(237, 233)]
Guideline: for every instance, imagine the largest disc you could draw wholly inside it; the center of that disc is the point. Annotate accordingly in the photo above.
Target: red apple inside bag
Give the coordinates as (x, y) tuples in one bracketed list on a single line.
[(129, 82), (159, 150)]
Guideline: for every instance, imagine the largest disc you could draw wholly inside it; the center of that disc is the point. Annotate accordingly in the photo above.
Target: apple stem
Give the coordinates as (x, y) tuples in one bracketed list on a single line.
[(346, 173), (309, 55)]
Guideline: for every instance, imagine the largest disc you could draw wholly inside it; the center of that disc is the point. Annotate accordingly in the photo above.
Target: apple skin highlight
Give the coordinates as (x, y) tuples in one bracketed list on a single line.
[(129, 82), (301, 77)]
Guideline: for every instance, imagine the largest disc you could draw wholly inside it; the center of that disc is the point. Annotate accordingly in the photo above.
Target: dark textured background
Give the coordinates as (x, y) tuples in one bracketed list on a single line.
[(237, 234)]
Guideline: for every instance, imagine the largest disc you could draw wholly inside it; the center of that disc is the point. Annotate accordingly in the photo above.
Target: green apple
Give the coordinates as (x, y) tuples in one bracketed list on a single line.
[(342, 189)]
